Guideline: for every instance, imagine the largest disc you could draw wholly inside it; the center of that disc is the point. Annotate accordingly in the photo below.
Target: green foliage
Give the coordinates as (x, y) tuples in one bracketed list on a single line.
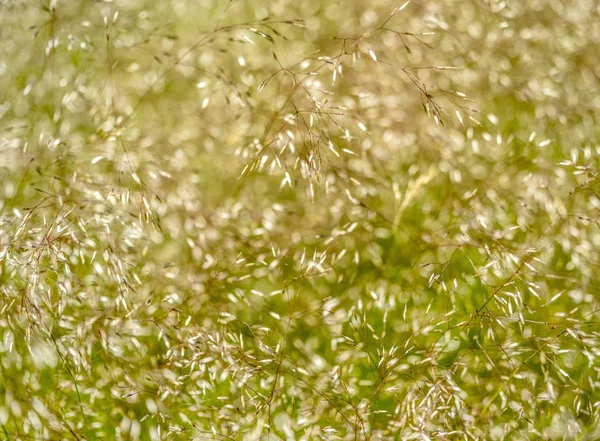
[(358, 220)]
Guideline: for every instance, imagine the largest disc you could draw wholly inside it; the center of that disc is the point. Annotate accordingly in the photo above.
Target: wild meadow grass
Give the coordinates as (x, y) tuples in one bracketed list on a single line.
[(311, 220)]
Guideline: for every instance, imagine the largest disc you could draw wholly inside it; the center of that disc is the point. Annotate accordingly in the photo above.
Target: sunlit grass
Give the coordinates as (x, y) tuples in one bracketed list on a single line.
[(299, 220)]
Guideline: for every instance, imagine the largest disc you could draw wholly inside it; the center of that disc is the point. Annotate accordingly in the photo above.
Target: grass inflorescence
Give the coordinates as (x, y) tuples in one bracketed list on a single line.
[(249, 220)]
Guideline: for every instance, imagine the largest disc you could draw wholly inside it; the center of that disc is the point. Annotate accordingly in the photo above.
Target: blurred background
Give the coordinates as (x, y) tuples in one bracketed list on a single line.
[(299, 220)]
